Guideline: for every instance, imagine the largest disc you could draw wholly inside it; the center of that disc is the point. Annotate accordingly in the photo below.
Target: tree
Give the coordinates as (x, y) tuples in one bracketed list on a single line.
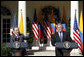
[(29, 30)]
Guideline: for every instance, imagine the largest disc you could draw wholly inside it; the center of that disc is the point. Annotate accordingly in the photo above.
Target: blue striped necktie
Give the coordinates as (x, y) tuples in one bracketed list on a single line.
[(60, 37)]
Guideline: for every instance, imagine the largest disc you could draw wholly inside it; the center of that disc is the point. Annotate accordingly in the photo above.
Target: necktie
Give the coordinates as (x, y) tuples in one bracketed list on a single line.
[(17, 36), (60, 37)]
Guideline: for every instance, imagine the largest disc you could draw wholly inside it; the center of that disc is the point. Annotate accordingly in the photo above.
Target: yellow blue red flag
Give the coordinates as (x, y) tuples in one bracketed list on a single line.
[(53, 23), (21, 28), (81, 30)]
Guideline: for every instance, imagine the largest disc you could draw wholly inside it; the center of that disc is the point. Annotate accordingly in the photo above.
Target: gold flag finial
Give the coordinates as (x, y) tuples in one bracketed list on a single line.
[(21, 9), (75, 9)]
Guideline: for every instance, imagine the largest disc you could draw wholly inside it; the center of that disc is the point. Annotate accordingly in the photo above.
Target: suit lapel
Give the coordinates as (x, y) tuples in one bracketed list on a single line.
[(14, 36), (63, 36), (57, 36)]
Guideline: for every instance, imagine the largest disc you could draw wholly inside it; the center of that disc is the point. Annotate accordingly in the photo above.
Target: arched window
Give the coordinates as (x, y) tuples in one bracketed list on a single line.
[(48, 10), (5, 24), (5, 11)]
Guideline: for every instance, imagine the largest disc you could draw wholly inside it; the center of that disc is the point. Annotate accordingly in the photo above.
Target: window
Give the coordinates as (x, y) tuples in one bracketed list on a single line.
[(6, 30), (5, 11)]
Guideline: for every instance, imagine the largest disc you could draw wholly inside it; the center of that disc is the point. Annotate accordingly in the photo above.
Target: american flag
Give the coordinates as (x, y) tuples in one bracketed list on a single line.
[(47, 29), (35, 26), (35, 30), (76, 34)]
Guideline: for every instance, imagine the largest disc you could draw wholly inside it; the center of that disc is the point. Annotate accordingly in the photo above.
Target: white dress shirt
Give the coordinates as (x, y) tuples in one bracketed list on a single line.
[(61, 34)]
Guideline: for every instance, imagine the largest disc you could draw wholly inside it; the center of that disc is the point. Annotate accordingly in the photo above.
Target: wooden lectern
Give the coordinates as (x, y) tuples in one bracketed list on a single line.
[(17, 54)]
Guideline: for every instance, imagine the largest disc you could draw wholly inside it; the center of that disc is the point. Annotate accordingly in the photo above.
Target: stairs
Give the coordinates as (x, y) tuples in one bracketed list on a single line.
[(40, 53), (43, 52)]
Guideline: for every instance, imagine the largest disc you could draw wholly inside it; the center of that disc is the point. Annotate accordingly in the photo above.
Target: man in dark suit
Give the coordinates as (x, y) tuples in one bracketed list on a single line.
[(17, 37), (60, 36)]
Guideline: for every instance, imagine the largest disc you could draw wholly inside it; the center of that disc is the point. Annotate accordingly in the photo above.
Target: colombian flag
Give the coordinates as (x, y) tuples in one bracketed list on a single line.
[(21, 28), (53, 24), (81, 30)]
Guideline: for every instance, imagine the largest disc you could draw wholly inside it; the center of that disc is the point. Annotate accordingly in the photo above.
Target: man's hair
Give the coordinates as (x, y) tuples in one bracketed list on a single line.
[(14, 28)]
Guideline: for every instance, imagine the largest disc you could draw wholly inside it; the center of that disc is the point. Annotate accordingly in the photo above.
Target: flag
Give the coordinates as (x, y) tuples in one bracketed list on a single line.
[(81, 30), (47, 30), (64, 15), (14, 24), (45, 26), (53, 24), (15, 21), (35, 26), (76, 34), (41, 18), (21, 28), (40, 31), (40, 25), (64, 25)]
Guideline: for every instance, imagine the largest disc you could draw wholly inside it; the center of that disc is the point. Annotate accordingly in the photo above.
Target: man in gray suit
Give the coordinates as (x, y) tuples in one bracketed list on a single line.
[(17, 37)]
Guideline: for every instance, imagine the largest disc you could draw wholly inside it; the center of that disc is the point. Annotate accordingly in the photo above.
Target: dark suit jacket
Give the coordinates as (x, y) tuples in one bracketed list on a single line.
[(14, 38), (55, 38)]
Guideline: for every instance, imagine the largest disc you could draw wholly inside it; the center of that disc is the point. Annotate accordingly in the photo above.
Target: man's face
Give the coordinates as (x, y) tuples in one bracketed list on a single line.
[(59, 28), (16, 31)]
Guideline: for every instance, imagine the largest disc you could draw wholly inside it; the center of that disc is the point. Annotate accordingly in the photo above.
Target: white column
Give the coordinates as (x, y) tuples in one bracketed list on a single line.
[(22, 6), (74, 6)]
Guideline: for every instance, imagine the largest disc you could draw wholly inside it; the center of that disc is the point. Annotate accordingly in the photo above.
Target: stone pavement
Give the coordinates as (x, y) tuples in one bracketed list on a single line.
[(45, 53), (40, 53)]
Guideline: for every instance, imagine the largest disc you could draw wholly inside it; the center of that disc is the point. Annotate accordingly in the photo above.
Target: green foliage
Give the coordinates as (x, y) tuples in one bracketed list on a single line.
[(29, 29), (5, 51), (68, 26)]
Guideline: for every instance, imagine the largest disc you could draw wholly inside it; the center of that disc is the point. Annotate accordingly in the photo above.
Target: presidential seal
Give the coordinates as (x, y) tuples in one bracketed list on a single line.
[(16, 44), (66, 44)]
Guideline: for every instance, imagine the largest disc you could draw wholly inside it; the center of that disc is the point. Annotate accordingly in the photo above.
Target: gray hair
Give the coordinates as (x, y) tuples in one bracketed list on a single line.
[(15, 27), (59, 24)]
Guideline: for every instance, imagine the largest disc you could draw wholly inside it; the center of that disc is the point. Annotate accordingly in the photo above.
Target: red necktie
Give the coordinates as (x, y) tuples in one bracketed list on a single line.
[(17, 36)]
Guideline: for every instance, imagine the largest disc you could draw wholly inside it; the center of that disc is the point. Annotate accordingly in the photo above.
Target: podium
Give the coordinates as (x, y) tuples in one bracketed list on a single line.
[(66, 47), (17, 45)]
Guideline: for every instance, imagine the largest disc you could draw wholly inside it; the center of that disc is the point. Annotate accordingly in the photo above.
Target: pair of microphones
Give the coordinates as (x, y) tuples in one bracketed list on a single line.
[(17, 39)]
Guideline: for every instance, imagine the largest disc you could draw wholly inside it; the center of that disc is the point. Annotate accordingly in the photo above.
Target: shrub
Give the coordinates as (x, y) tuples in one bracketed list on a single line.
[(5, 51)]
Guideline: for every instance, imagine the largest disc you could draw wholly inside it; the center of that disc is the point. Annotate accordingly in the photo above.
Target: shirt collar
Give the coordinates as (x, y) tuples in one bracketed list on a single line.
[(15, 34)]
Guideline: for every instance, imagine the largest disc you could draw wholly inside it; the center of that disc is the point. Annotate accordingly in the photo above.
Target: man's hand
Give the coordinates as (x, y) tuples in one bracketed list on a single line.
[(27, 34), (20, 41)]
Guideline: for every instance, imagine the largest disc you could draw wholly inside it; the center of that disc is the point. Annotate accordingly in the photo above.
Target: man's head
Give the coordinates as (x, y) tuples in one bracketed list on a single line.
[(16, 30), (59, 27)]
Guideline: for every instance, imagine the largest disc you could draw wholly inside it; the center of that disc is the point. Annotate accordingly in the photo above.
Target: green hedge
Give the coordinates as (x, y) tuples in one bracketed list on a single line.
[(5, 51), (29, 30)]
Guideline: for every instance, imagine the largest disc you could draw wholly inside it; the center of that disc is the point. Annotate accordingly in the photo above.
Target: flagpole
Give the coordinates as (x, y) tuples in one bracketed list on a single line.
[(22, 7), (74, 7)]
